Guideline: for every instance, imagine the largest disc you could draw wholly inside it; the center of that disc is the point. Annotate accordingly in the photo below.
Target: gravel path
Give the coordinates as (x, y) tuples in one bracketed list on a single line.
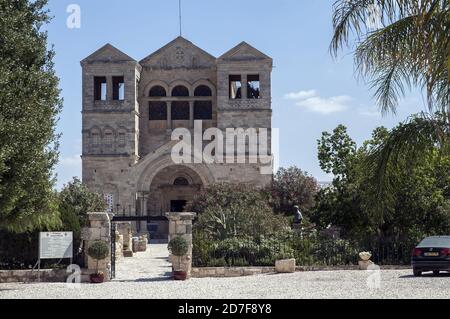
[(146, 276)]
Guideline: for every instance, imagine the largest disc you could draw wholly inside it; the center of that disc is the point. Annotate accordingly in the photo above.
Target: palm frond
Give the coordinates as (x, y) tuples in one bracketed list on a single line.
[(409, 141), (412, 47)]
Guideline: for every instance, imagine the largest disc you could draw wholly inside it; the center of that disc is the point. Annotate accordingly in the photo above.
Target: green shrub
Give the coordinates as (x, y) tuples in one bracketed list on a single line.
[(219, 262), (201, 250), (239, 252), (178, 246), (98, 250), (226, 211)]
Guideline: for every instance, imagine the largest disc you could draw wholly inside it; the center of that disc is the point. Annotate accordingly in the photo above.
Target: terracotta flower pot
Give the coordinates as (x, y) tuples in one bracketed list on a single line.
[(180, 275), (97, 278)]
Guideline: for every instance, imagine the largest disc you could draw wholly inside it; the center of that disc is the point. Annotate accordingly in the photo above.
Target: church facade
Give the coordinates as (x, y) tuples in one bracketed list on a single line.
[(130, 109)]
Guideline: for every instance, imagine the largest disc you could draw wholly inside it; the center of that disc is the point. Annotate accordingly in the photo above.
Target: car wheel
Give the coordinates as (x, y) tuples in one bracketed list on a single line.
[(436, 272), (417, 273)]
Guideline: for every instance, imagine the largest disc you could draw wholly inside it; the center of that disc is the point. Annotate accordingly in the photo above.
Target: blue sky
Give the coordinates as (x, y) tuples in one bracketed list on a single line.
[(312, 92)]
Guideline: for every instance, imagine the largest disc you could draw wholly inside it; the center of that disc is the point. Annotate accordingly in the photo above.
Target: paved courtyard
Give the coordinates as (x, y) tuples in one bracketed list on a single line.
[(147, 276)]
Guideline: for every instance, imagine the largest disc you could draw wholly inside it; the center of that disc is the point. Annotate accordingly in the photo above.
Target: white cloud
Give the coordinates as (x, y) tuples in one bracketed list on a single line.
[(300, 95), (313, 102)]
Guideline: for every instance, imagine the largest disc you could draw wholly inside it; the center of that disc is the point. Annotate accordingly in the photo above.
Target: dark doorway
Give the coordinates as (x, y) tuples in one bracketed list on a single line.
[(177, 206)]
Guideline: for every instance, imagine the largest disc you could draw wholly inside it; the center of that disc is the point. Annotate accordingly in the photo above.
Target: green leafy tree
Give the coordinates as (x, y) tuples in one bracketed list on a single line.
[(340, 204), (29, 106), (416, 207), (400, 45), (226, 210), (75, 201), (291, 186)]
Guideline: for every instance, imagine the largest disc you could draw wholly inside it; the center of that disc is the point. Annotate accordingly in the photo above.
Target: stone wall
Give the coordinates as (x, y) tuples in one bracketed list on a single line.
[(99, 229), (207, 272), (31, 276)]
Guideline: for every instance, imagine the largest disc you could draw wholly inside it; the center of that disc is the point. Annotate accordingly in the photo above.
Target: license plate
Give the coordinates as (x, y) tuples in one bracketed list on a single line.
[(431, 254)]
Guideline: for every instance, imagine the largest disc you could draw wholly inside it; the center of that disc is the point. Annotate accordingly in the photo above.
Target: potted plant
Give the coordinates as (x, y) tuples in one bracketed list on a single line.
[(98, 250), (178, 247)]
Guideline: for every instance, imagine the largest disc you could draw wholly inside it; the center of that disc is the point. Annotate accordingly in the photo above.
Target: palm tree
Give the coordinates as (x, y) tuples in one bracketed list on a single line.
[(400, 45)]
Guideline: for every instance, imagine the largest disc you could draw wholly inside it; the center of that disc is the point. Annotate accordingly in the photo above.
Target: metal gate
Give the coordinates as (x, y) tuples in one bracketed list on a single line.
[(113, 251)]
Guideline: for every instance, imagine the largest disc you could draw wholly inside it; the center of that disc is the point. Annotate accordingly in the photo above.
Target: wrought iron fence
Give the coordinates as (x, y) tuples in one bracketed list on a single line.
[(308, 251)]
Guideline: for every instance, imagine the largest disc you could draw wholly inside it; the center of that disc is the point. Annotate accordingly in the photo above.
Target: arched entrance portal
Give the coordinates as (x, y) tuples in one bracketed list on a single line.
[(170, 190)]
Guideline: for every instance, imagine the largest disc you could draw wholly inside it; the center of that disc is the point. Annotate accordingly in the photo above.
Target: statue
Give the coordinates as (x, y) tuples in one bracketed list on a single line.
[(298, 216)]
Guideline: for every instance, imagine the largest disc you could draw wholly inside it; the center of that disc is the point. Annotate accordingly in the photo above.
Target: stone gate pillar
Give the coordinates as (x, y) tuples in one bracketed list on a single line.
[(99, 229), (180, 224)]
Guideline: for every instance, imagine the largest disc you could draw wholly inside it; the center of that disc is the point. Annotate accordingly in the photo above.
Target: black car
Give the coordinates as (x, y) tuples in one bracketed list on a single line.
[(432, 254)]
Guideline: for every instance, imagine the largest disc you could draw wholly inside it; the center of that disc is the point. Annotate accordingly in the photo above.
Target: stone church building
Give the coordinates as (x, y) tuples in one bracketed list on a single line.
[(131, 107)]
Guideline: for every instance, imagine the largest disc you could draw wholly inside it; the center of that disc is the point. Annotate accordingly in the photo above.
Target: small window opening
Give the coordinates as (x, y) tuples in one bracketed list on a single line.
[(121, 139), (109, 201), (202, 90), (180, 91), (109, 139), (95, 139), (181, 181), (180, 110), (157, 111), (100, 88), (253, 86), (235, 87), (203, 110), (157, 91), (118, 88)]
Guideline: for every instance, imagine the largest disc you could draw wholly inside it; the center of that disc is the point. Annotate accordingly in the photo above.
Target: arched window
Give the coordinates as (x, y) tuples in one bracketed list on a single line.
[(157, 91), (180, 91), (95, 138), (202, 90), (108, 139), (181, 181), (122, 138)]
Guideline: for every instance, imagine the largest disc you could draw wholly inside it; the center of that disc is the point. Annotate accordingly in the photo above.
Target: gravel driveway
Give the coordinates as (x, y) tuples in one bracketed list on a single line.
[(146, 276)]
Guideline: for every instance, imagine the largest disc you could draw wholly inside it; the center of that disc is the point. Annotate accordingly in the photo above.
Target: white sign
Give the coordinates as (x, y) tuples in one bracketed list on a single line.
[(55, 245)]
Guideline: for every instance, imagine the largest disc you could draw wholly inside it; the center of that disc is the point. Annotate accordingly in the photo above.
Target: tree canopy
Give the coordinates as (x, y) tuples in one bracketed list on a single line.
[(29, 106)]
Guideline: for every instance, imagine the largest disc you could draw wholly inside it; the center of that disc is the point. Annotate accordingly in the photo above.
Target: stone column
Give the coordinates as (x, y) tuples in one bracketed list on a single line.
[(169, 115), (144, 213), (180, 224), (99, 229), (244, 86), (191, 114), (109, 88)]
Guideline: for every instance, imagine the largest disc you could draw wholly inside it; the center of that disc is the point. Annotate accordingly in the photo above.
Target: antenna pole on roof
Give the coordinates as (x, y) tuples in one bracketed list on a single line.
[(179, 9)]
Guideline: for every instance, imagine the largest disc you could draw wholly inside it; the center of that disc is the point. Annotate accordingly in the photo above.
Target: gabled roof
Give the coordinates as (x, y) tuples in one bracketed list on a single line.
[(108, 53), (242, 52), (176, 42)]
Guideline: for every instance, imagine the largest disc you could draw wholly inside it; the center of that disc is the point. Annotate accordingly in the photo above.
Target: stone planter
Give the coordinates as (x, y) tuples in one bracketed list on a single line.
[(285, 266), (180, 275), (365, 264), (97, 278), (365, 261)]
